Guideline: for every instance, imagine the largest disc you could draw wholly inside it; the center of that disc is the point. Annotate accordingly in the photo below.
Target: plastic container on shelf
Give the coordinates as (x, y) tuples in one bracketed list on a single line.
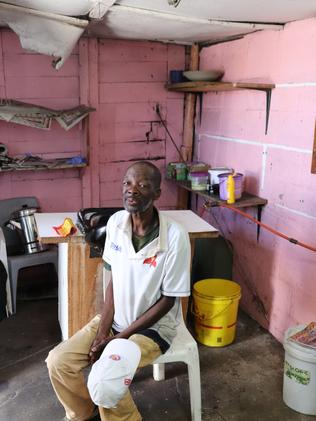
[(216, 171), (176, 76), (230, 189), (238, 181), (181, 171), (171, 170), (199, 180)]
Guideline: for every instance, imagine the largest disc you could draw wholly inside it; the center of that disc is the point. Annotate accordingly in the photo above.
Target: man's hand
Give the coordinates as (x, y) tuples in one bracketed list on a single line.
[(149, 318), (97, 347), (102, 338)]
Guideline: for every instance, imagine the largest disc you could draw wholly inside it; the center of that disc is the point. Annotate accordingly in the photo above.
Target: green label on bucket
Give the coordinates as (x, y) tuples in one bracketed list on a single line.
[(300, 376)]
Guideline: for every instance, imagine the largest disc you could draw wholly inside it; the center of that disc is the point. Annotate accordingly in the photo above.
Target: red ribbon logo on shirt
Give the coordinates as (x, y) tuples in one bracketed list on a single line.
[(151, 261)]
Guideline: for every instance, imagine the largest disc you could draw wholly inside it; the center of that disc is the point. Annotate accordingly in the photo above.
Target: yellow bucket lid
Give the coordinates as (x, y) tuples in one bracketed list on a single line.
[(217, 288)]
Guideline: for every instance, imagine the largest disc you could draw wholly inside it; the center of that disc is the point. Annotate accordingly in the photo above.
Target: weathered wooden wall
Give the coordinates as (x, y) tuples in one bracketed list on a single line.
[(30, 78), (124, 81)]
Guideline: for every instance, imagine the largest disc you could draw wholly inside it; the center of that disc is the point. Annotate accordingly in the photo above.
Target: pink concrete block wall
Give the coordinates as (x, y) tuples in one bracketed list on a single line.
[(128, 83), (277, 277)]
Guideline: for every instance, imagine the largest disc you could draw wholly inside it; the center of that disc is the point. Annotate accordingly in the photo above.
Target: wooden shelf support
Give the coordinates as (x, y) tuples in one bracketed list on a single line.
[(247, 200), (217, 86), (198, 87)]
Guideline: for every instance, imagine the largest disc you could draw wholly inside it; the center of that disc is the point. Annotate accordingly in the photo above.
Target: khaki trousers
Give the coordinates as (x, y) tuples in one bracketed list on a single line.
[(65, 366)]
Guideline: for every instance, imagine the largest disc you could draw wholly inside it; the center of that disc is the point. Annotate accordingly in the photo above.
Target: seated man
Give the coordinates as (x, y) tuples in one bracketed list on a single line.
[(148, 255)]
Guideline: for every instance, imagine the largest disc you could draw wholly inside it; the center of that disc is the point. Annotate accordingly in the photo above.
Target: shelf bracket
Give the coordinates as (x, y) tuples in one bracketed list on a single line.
[(259, 213), (268, 92), (268, 102)]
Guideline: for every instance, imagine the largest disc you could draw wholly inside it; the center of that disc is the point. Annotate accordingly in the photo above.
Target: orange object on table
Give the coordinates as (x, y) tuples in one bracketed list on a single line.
[(66, 228)]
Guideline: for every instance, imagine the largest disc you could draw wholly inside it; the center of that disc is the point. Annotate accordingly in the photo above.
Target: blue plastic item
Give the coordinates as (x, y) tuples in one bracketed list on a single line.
[(75, 160)]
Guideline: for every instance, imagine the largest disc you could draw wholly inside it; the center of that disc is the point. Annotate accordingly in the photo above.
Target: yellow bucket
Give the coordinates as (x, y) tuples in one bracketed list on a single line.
[(215, 307)]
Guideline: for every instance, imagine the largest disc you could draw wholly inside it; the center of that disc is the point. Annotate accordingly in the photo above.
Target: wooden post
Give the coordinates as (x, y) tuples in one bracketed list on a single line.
[(190, 99), (188, 126), (89, 95)]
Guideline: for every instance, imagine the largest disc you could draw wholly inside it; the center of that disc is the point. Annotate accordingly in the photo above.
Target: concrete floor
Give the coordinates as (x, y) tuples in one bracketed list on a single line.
[(240, 382)]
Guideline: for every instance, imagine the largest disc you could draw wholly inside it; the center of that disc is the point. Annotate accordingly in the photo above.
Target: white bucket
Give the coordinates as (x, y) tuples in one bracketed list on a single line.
[(299, 380), (215, 172)]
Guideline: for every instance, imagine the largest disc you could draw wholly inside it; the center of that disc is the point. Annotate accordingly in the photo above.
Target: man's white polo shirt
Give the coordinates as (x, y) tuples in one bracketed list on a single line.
[(162, 267)]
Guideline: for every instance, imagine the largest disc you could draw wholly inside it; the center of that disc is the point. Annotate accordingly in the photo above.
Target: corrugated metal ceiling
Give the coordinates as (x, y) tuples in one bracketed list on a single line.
[(176, 21)]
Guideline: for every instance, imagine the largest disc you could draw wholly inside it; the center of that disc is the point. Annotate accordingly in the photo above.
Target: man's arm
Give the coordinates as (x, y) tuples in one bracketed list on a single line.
[(105, 325), (149, 318), (145, 321)]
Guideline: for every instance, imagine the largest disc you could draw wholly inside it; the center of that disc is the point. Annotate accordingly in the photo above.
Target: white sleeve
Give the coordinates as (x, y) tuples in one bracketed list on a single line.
[(176, 281), (107, 245)]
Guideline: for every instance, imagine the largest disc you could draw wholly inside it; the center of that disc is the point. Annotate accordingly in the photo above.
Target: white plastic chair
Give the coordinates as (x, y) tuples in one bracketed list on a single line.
[(183, 349)]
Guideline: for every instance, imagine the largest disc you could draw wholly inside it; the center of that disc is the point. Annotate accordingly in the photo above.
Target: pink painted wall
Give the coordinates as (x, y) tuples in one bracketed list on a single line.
[(273, 272), (30, 78), (123, 81), (131, 82)]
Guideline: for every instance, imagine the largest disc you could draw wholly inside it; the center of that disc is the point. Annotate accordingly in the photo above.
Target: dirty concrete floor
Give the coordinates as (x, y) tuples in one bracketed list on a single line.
[(240, 382)]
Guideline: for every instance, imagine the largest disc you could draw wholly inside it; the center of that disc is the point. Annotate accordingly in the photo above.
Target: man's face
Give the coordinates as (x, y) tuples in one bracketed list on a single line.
[(139, 190)]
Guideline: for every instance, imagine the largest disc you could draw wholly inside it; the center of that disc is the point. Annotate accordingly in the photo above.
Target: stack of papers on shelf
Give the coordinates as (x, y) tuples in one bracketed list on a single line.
[(306, 337), (40, 117), (31, 162)]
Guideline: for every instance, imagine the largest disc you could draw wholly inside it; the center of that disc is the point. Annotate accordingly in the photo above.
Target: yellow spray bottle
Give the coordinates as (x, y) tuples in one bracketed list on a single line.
[(230, 189)]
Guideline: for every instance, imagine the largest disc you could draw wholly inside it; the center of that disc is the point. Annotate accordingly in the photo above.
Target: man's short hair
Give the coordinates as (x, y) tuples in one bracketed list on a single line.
[(155, 172)]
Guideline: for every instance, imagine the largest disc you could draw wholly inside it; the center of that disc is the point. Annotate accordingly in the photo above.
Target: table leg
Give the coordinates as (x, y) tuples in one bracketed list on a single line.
[(185, 300), (84, 286)]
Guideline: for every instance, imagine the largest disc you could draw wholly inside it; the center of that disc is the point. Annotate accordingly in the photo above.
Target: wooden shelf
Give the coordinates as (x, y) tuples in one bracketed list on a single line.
[(217, 86), (49, 168), (247, 199), (200, 87)]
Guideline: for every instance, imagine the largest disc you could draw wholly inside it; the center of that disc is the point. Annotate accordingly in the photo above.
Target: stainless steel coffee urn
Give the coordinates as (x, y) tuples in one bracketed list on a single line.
[(24, 221)]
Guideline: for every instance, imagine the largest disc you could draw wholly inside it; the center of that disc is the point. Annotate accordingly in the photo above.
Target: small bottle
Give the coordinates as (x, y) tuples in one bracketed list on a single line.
[(230, 189)]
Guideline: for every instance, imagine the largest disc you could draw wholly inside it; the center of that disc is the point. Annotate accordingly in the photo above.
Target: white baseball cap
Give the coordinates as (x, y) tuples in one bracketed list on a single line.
[(112, 374)]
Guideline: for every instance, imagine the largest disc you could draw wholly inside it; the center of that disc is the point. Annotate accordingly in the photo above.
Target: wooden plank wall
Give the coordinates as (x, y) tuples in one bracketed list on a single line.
[(30, 78), (124, 81), (131, 83)]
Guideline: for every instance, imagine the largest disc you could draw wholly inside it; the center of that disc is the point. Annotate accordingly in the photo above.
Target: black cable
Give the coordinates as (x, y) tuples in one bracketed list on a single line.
[(166, 128)]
